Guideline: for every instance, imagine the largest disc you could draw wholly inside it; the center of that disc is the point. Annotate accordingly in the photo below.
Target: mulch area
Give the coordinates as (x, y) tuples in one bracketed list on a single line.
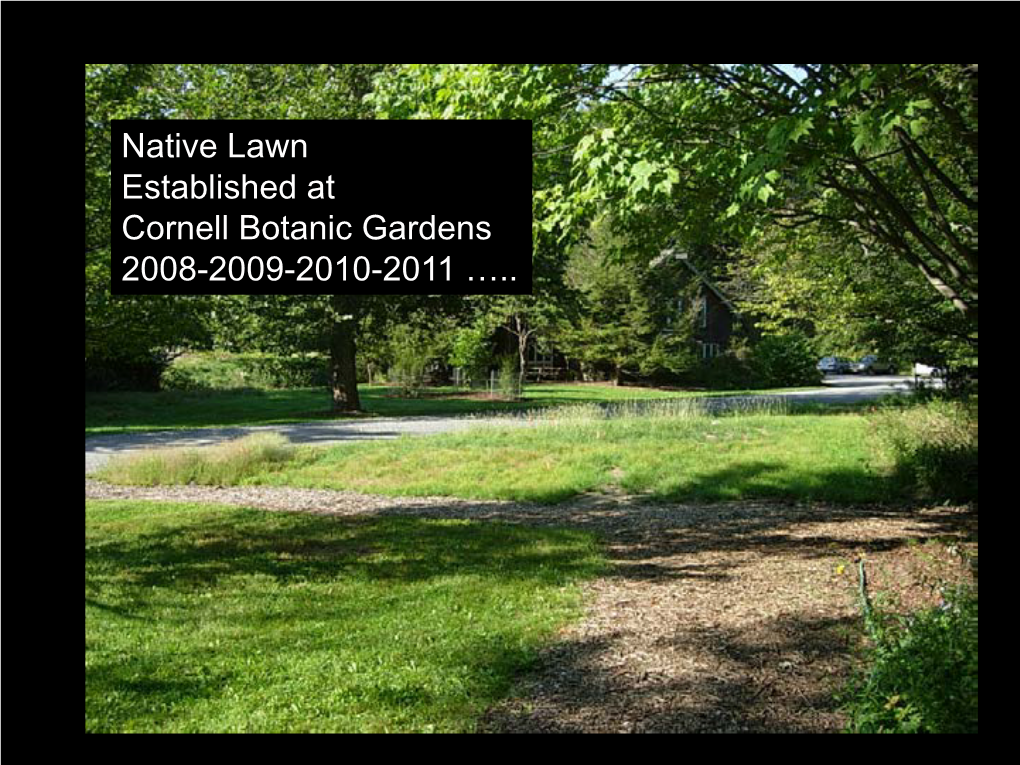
[(725, 618)]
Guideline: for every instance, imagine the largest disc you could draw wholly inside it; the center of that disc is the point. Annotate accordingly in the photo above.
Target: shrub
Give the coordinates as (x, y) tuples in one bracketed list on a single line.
[(472, 352), (226, 371), (922, 674), (934, 448), (785, 361), (411, 359), (725, 372), (126, 373), (285, 372), (223, 465), (508, 384)]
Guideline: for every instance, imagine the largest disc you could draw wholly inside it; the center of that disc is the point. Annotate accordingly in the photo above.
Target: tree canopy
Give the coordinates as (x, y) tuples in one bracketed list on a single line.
[(837, 198)]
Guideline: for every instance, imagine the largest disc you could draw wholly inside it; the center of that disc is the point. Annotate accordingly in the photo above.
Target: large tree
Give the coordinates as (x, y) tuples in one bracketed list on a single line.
[(125, 336), (216, 91), (885, 154)]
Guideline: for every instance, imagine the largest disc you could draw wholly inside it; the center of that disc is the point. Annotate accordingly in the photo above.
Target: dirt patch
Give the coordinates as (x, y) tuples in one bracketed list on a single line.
[(730, 618)]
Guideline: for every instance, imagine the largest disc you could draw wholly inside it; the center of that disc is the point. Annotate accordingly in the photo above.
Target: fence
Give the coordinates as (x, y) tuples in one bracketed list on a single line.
[(496, 384)]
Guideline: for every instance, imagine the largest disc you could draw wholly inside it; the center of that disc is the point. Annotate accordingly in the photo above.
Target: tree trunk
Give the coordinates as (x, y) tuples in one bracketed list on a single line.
[(343, 374), (523, 336)]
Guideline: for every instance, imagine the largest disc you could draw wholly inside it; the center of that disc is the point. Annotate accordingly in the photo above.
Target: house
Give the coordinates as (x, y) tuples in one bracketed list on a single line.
[(686, 294), (716, 315)]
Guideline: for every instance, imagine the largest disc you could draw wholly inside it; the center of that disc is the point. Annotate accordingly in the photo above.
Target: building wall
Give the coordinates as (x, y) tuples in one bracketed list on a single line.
[(720, 322)]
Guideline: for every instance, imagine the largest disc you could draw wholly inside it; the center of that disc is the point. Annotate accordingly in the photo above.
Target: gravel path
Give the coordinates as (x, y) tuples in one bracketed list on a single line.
[(721, 618)]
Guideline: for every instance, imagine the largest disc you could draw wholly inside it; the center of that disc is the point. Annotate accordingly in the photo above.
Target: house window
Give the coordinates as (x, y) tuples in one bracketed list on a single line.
[(710, 351), (703, 313), (540, 357)]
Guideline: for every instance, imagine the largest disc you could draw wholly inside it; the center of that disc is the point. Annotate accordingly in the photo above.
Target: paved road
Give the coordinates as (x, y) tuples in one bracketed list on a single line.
[(99, 449)]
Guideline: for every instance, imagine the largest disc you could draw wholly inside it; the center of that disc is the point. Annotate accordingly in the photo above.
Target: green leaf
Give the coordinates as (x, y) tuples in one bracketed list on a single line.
[(641, 174)]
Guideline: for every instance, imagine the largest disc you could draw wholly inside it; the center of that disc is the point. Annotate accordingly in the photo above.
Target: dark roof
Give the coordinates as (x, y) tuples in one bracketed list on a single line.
[(673, 254)]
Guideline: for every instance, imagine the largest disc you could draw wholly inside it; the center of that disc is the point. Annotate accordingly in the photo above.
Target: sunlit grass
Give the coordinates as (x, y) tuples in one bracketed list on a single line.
[(203, 619), (136, 412), (223, 465), (673, 451)]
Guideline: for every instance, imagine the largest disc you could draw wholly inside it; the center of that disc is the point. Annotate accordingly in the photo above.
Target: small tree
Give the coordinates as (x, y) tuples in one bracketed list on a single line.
[(785, 361)]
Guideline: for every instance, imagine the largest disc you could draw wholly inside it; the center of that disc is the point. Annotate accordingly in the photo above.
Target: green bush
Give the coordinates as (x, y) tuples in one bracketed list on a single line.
[(508, 383), (785, 361), (226, 371), (412, 357), (472, 351), (725, 372), (126, 373), (922, 674), (934, 448), (288, 372)]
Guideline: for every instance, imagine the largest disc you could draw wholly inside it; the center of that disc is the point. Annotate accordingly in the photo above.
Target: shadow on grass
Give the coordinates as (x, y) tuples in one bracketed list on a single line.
[(232, 605), (303, 548), (778, 480), (140, 688)]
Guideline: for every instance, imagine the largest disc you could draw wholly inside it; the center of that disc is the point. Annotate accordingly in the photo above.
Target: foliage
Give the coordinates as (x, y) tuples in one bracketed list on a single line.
[(621, 315), (785, 361), (414, 347), (923, 672), (934, 447), (472, 351), (854, 301), (134, 370), (216, 91), (850, 191), (728, 371), (128, 339), (508, 378), (246, 371), (882, 154)]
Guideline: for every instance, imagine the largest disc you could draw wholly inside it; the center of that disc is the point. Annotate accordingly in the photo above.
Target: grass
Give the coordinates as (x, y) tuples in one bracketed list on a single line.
[(935, 447), (668, 451), (135, 412), (227, 464), (204, 619)]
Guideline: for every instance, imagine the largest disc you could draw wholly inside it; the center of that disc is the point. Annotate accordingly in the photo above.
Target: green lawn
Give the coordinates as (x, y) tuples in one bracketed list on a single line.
[(696, 457), (811, 457), (203, 619), (126, 412)]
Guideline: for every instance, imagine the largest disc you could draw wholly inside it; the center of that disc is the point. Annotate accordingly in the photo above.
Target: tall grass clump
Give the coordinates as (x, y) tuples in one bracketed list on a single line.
[(644, 420), (922, 672), (653, 409), (223, 465), (934, 448)]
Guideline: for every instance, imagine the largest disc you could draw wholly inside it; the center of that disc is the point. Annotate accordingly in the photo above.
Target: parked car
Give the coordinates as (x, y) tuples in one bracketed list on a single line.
[(923, 370), (873, 365), (834, 365)]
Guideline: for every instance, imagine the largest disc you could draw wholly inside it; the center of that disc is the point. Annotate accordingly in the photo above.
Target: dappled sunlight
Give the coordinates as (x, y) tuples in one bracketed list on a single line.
[(204, 619)]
